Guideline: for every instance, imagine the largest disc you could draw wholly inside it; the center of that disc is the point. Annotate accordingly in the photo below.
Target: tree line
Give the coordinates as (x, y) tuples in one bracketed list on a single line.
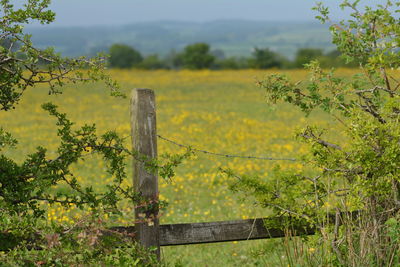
[(200, 56)]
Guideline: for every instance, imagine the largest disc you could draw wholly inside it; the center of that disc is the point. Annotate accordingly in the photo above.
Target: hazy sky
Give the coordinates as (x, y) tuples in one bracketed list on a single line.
[(117, 12)]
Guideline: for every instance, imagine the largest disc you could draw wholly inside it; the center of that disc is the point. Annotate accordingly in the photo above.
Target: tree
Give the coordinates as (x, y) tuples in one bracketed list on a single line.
[(265, 59), (18, 57), (26, 185), (19, 71), (331, 59), (197, 56), (124, 57), (349, 187), (173, 60), (334, 59), (306, 55), (228, 63), (152, 62)]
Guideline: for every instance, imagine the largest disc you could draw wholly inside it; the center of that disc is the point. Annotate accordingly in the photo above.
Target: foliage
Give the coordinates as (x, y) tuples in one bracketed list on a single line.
[(87, 242), (306, 55), (235, 38), (334, 59), (326, 60), (152, 62), (197, 56), (34, 180), (19, 68), (262, 58), (350, 191), (265, 59), (230, 63), (28, 185), (124, 57)]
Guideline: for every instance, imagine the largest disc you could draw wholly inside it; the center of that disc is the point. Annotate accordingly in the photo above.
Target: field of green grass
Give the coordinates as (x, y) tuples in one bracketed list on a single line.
[(218, 111)]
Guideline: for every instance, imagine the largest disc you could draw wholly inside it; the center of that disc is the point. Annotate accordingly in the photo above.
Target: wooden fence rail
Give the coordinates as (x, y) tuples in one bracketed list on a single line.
[(214, 232), (144, 140)]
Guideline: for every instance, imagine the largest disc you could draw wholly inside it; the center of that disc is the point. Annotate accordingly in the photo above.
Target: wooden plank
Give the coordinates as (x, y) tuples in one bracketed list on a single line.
[(223, 231), (144, 141)]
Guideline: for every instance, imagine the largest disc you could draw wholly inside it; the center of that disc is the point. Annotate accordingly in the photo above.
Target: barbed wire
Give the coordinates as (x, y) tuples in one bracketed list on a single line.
[(222, 154), (205, 151)]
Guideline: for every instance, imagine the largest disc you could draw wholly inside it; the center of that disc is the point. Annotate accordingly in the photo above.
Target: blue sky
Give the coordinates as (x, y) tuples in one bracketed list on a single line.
[(117, 12)]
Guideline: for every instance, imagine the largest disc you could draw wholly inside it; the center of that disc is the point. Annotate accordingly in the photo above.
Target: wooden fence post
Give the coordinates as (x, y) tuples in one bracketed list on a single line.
[(144, 141)]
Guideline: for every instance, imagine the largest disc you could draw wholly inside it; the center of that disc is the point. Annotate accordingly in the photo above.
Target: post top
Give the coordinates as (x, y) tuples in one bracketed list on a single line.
[(144, 90)]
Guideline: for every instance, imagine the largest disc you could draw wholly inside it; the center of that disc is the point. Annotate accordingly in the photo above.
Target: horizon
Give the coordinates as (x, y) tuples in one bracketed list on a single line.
[(124, 12), (234, 37), (173, 21)]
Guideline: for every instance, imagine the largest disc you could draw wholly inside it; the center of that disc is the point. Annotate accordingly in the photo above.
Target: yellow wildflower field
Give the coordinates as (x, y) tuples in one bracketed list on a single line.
[(218, 111)]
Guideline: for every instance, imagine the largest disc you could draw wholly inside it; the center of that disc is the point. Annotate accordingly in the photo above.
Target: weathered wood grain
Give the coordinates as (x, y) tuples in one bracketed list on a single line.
[(144, 141), (223, 231)]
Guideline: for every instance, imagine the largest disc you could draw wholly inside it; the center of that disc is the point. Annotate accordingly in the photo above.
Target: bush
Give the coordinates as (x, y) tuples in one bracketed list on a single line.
[(265, 59), (29, 186), (197, 56), (349, 188), (152, 62), (306, 55), (85, 243), (124, 57)]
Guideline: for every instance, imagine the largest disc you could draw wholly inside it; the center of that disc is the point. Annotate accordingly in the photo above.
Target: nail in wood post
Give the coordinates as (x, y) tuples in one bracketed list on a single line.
[(144, 141)]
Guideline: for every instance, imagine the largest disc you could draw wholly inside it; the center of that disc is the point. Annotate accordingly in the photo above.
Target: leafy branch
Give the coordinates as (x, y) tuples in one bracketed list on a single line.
[(22, 65), (24, 186)]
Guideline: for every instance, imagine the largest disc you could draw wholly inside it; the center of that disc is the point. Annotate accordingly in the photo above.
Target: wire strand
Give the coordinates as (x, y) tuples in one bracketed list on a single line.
[(222, 154)]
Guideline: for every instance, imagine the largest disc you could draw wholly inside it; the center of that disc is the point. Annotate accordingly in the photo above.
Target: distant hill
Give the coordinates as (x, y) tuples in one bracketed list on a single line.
[(235, 38)]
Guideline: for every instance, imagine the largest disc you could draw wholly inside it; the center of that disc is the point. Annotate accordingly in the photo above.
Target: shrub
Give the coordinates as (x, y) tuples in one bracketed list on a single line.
[(197, 56), (265, 59), (348, 188), (28, 186), (124, 57)]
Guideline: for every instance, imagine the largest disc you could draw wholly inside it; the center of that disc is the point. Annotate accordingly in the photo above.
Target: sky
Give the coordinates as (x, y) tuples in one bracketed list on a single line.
[(119, 12)]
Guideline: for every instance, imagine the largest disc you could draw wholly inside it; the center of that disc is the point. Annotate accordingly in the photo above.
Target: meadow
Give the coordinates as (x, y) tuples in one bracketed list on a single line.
[(217, 111)]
